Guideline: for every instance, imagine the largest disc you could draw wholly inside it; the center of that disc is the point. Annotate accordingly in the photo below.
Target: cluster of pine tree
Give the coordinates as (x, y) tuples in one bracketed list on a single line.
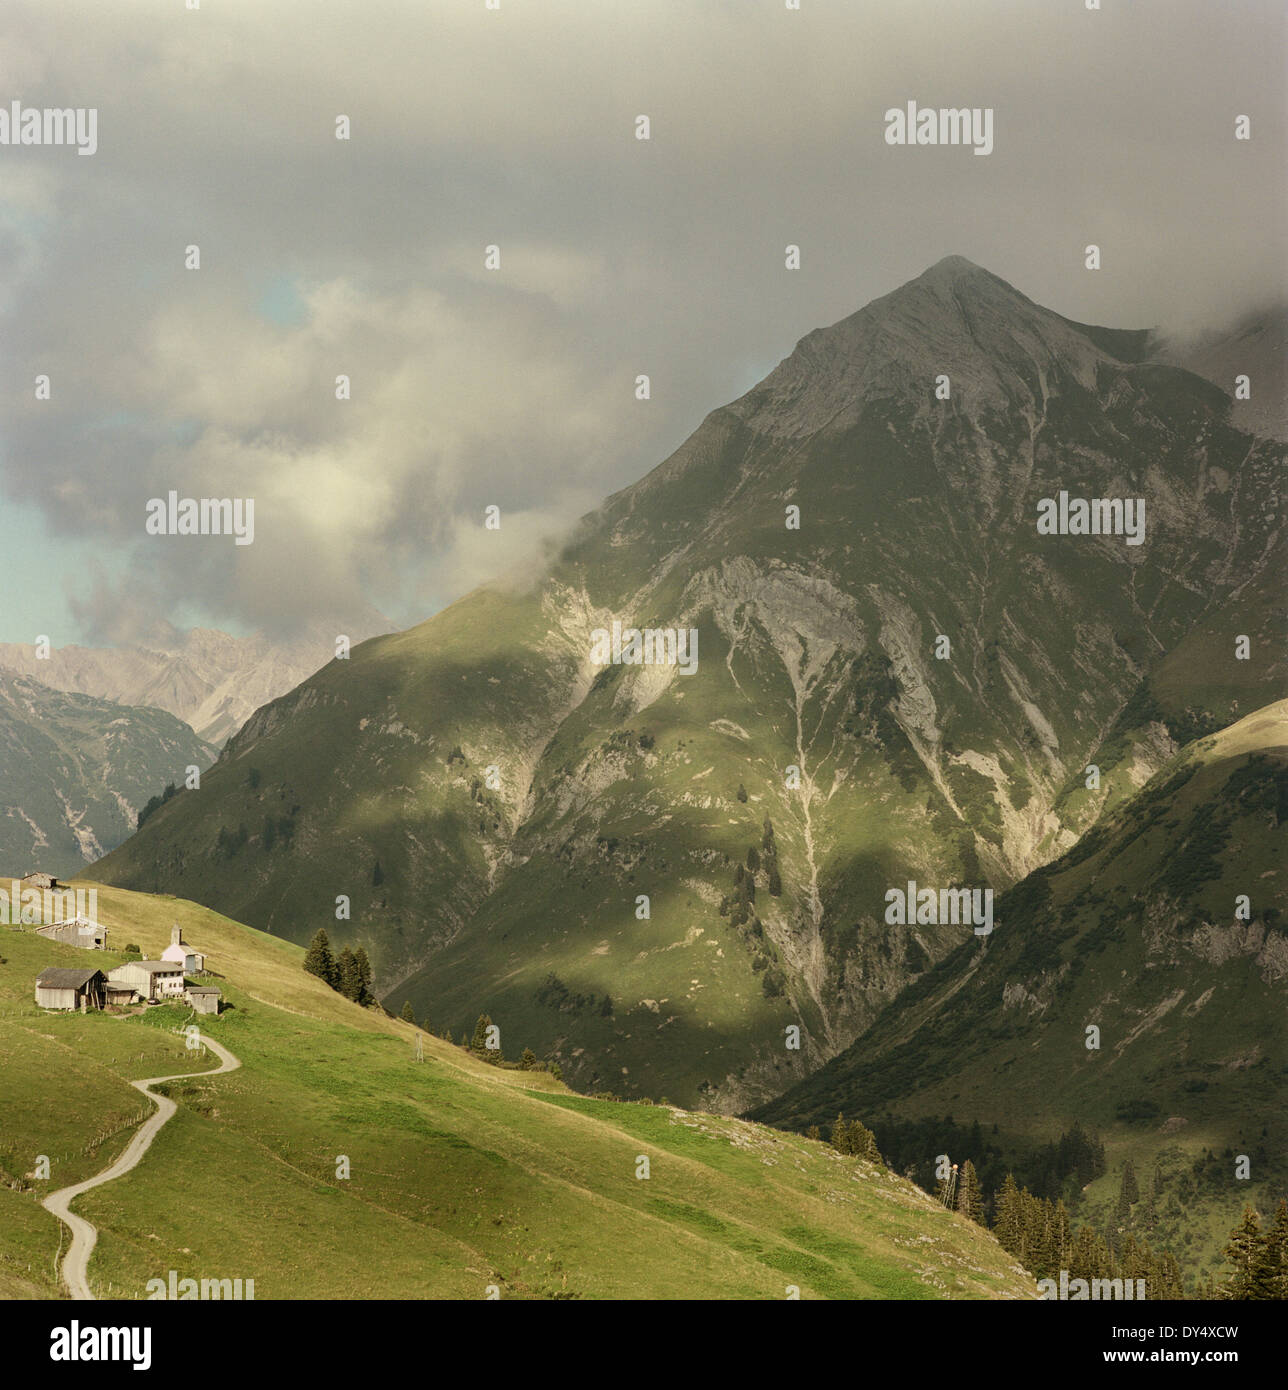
[(740, 908), (740, 905), (1060, 1168), (852, 1137), (1260, 1259), (1039, 1234), (494, 1056), (349, 973)]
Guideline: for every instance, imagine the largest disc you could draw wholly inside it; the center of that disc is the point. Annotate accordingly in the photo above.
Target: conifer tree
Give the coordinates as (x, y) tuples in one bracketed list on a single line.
[(1061, 1234), (1009, 1223), (1277, 1251), (1130, 1186), (408, 1013), (1034, 1251), (841, 1135), (1132, 1263), (319, 961), (1084, 1257), (970, 1198), (350, 980), (527, 1060), (478, 1044), (363, 965), (1250, 1254)]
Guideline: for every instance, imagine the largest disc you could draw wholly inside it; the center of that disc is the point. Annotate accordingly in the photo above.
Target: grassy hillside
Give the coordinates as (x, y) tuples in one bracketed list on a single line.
[(461, 1174), (1133, 932)]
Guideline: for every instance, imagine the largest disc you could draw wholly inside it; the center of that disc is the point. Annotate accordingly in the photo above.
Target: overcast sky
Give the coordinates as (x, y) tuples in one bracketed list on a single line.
[(516, 127)]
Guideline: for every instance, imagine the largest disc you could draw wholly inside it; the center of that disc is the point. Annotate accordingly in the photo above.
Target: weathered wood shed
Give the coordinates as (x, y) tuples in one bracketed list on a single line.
[(61, 988), (203, 998)]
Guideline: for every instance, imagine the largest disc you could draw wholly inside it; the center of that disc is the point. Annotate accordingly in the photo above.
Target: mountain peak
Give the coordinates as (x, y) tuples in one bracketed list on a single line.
[(955, 319), (954, 268)]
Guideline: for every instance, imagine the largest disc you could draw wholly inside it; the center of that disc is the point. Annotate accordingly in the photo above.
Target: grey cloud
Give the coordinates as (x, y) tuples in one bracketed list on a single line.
[(619, 256)]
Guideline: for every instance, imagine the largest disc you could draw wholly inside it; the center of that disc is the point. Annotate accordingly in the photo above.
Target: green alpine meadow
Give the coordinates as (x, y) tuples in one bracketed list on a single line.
[(369, 1166)]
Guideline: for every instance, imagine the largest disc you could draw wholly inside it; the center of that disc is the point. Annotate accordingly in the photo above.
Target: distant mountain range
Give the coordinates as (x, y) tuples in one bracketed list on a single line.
[(210, 680), (655, 877), (75, 771)]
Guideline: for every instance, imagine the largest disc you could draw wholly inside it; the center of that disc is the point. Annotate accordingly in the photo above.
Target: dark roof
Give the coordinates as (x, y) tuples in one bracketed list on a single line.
[(202, 989), (55, 977)]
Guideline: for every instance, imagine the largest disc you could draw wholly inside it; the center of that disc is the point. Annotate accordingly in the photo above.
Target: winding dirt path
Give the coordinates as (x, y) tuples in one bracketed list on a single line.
[(85, 1233)]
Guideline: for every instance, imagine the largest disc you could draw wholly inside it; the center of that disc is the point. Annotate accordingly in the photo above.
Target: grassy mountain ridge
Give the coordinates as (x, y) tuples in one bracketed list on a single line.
[(461, 1174), (493, 807)]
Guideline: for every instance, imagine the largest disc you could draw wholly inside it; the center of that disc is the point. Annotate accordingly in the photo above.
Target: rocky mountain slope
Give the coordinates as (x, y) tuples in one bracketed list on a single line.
[(908, 685), (210, 680), (1138, 933), (76, 770)]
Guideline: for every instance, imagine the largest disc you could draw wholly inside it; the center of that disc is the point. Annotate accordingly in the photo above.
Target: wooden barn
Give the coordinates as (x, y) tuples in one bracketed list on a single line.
[(61, 988)]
